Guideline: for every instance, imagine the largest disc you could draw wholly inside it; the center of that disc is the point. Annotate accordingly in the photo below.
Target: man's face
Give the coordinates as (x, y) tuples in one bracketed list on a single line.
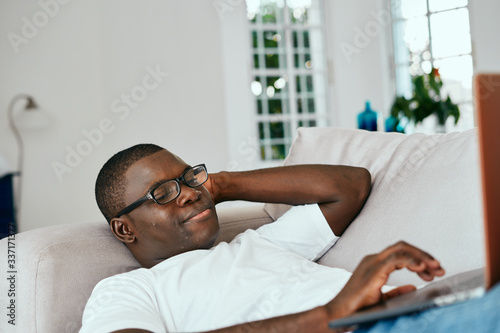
[(187, 223)]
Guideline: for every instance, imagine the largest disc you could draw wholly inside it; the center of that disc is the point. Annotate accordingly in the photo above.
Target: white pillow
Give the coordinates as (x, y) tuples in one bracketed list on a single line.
[(425, 190)]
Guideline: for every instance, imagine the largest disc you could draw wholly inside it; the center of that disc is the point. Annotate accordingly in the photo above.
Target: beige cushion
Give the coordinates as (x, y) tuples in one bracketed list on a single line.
[(235, 220), (426, 191)]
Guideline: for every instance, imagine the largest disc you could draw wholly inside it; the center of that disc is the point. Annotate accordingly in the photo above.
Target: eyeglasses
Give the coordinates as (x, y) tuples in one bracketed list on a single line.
[(170, 190)]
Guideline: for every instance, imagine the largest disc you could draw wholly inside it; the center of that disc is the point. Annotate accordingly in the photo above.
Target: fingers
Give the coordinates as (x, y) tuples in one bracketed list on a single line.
[(364, 287), (398, 291), (402, 255)]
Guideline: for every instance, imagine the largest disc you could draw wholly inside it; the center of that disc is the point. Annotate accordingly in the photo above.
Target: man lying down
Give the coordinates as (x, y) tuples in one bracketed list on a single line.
[(265, 280)]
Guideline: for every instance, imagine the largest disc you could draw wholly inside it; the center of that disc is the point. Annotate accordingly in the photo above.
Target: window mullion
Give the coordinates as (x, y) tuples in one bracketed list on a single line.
[(430, 34), (292, 87)]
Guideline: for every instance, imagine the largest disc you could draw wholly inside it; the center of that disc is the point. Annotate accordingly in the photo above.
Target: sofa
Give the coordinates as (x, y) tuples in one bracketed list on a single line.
[(426, 190)]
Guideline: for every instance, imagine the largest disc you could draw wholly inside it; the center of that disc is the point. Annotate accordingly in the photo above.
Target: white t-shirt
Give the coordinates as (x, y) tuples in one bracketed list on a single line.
[(261, 274)]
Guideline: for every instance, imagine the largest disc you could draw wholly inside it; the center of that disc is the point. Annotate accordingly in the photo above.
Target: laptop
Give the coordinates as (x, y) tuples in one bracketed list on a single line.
[(466, 285)]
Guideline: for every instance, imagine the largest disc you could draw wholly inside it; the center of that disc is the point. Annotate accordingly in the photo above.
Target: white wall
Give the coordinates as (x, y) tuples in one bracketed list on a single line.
[(92, 52), (87, 56), (485, 26), (359, 51), (240, 102)]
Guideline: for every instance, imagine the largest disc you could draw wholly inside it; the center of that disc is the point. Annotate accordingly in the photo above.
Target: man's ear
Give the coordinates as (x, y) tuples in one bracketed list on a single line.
[(122, 230)]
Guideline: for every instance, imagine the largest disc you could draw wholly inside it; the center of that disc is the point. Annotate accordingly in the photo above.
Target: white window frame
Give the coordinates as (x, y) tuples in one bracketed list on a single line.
[(320, 94), (404, 88)]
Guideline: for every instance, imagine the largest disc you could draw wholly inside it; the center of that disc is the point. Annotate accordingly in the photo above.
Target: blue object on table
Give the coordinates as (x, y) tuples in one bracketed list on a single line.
[(367, 119), (7, 218), (391, 124)]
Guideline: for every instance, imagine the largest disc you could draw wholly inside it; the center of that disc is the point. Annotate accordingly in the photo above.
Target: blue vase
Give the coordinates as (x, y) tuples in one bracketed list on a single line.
[(367, 119), (391, 124)]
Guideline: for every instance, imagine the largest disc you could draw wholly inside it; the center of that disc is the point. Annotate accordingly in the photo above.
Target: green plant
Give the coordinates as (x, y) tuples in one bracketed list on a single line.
[(425, 101)]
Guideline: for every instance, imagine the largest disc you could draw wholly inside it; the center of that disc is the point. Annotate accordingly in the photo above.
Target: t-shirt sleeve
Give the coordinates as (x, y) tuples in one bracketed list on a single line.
[(120, 302), (303, 230)]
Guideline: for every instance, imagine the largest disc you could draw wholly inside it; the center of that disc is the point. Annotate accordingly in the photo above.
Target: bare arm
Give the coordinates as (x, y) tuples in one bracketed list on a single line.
[(340, 191), (308, 321), (314, 320)]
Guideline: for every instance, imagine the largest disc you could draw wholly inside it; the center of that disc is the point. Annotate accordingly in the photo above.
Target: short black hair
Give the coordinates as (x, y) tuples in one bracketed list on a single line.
[(110, 183)]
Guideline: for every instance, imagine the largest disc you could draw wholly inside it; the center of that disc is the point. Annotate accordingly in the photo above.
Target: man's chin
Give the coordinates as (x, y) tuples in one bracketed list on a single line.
[(212, 233), (206, 229)]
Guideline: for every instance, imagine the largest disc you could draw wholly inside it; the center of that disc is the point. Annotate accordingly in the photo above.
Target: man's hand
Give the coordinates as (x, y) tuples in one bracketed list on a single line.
[(216, 183), (211, 186), (364, 287)]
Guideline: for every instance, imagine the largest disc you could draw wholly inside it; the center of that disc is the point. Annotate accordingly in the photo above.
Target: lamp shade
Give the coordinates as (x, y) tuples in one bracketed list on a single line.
[(33, 118)]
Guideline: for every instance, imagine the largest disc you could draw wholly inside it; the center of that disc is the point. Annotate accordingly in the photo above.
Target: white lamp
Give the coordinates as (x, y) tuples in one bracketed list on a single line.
[(30, 117)]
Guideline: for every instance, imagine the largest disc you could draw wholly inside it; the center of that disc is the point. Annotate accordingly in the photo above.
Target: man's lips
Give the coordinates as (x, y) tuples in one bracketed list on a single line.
[(198, 215)]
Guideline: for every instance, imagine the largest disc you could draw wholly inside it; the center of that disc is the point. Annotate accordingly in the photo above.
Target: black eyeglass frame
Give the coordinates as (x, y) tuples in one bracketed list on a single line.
[(150, 196)]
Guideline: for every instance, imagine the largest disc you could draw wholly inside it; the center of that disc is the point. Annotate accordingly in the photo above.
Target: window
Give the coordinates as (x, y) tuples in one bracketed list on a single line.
[(289, 75), (435, 33)]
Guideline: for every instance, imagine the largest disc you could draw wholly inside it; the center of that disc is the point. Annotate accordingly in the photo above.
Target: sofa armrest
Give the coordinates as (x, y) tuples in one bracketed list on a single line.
[(235, 220)]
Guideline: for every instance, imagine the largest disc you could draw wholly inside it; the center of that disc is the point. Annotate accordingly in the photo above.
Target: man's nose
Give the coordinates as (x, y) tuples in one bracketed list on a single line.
[(188, 195)]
